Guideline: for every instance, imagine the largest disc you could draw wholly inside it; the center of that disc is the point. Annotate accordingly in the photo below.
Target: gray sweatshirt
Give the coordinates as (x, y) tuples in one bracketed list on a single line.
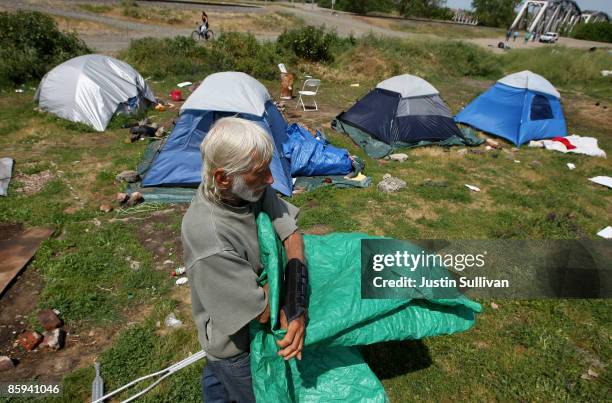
[(221, 254)]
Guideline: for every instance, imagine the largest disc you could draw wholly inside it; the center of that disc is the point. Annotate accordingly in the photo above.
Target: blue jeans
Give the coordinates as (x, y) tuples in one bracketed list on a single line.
[(228, 380)]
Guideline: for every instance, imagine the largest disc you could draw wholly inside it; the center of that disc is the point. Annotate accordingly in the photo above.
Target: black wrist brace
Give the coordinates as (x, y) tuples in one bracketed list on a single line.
[(296, 286)]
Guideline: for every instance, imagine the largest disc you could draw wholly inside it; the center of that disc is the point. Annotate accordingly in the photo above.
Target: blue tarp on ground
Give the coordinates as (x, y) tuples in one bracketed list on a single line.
[(310, 156), (179, 162), (516, 114)]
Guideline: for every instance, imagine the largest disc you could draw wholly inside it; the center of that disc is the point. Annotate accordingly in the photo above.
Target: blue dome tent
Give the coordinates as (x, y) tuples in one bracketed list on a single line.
[(520, 107), (179, 162)]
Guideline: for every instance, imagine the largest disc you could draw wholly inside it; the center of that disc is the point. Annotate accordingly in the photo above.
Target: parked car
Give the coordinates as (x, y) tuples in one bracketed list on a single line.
[(549, 37)]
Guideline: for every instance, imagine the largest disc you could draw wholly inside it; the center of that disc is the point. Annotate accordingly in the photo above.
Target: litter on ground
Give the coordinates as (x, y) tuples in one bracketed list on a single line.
[(172, 321), (602, 180), (184, 84), (472, 188), (181, 281), (571, 166), (606, 232), (571, 144)]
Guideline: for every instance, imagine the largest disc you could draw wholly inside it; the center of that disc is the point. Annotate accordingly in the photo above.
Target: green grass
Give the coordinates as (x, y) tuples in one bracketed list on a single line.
[(95, 8), (447, 30), (525, 350)]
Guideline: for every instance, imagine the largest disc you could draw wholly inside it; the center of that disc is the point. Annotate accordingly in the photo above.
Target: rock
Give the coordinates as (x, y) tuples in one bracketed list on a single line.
[(514, 149), (122, 198), (390, 184), (63, 364), (128, 176), (106, 208), (6, 363), (135, 265), (160, 132), (433, 183), (400, 157), (29, 340), (535, 164), (462, 151), (49, 319), (492, 143), (172, 321), (54, 340), (168, 262), (135, 198)]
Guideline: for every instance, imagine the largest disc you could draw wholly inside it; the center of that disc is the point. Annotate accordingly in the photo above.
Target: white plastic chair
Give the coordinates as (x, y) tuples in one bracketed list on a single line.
[(309, 89)]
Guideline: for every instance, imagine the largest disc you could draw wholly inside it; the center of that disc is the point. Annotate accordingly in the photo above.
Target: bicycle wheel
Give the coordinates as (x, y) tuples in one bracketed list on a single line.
[(210, 35), (195, 35)]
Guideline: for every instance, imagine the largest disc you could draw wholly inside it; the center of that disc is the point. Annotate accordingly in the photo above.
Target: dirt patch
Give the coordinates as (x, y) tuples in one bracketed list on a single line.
[(159, 236), (33, 183), (318, 229), (19, 304), (83, 26), (596, 113), (9, 230)]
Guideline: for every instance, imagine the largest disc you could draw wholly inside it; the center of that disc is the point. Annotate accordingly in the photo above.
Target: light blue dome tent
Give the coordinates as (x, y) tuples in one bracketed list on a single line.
[(520, 107), (179, 163)]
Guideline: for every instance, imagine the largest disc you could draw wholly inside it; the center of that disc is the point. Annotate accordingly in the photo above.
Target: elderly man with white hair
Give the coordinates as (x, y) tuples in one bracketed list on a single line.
[(221, 252)]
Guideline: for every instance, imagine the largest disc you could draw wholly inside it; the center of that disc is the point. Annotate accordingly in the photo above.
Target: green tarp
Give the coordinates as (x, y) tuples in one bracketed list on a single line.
[(377, 149), (332, 368)]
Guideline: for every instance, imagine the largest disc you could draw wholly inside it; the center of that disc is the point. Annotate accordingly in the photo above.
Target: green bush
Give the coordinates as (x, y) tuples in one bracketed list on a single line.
[(130, 8), (181, 56), (159, 58), (313, 43), (31, 44), (242, 52), (597, 31)]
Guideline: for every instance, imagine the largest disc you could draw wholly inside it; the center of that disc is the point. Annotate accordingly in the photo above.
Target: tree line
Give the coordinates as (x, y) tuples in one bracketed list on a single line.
[(493, 13)]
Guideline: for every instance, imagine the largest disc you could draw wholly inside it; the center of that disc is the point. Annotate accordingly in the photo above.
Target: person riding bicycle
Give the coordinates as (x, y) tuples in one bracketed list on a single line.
[(204, 26)]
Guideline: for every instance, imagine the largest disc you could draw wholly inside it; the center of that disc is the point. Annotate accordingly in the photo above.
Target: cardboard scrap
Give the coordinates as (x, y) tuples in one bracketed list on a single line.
[(17, 251)]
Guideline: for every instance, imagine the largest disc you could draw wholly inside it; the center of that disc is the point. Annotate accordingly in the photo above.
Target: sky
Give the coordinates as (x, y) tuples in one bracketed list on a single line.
[(599, 5)]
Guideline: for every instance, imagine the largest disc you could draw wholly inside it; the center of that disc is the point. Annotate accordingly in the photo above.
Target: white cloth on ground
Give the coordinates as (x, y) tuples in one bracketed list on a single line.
[(584, 145)]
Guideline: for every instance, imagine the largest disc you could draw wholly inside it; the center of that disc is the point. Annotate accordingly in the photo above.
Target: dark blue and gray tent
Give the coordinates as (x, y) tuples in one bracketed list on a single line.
[(401, 111)]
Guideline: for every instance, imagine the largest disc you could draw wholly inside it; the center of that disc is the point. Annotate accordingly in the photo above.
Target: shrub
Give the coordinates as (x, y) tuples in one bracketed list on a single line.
[(242, 52), (31, 44), (313, 43), (182, 56), (159, 57), (597, 31), (130, 8)]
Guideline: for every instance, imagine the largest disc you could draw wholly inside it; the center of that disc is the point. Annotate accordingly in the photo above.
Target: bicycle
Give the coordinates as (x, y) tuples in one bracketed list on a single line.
[(200, 34)]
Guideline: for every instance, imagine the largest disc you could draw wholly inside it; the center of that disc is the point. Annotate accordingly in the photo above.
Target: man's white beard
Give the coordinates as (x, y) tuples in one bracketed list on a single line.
[(241, 190)]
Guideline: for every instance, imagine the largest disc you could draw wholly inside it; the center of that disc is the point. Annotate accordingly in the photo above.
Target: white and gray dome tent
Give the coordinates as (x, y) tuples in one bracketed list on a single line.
[(404, 110), (90, 89)]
